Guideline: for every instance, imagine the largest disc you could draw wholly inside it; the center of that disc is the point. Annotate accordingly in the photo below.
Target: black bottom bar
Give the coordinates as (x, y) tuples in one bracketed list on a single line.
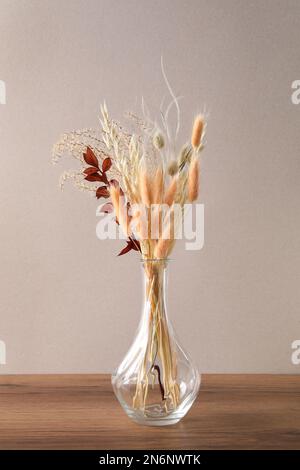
[(133, 459)]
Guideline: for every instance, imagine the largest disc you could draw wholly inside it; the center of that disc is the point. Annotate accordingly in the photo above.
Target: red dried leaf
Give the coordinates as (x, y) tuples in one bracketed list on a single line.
[(106, 164), (91, 158), (91, 170), (126, 249), (107, 208), (132, 244), (102, 192), (94, 177), (136, 245)]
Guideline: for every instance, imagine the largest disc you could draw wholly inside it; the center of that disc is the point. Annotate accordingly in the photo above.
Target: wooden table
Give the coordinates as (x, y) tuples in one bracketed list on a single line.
[(81, 412)]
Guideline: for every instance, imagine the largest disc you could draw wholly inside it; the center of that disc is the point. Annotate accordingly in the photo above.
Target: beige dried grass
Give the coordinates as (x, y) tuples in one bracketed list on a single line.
[(158, 186), (165, 243), (145, 188), (119, 205), (193, 180), (171, 191), (197, 131)]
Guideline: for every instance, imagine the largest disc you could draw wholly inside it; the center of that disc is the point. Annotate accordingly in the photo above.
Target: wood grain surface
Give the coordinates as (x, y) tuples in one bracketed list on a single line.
[(81, 412)]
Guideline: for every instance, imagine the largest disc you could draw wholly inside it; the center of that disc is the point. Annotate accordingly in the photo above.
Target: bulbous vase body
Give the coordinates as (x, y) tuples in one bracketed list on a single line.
[(156, 383)]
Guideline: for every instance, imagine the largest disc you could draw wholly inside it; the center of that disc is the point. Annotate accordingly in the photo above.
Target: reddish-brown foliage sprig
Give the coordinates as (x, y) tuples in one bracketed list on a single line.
[(94, 173)]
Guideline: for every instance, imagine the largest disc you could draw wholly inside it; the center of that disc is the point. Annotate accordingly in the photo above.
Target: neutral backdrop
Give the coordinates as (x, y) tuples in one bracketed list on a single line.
[(68, 304)]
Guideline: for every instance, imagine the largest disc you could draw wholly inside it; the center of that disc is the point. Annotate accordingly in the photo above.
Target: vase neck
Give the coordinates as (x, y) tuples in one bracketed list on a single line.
[(155, 280)]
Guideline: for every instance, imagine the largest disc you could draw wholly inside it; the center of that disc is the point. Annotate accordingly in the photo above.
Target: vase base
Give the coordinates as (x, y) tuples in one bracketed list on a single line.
[(161, 422), (144, 421), (154, 416)]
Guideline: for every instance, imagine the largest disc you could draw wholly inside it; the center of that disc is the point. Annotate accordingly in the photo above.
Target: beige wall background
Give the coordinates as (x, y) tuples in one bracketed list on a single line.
[(68, 304)]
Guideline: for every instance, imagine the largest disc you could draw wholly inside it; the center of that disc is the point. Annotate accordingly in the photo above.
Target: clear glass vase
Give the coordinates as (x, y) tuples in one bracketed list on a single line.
[(156, 383)]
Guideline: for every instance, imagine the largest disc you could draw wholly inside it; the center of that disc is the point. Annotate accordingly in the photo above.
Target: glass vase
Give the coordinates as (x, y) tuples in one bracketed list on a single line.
[(156, 383)]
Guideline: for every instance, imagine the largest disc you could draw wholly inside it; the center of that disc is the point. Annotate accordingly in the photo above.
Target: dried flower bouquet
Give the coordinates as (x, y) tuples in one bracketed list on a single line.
[(143, 181)]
